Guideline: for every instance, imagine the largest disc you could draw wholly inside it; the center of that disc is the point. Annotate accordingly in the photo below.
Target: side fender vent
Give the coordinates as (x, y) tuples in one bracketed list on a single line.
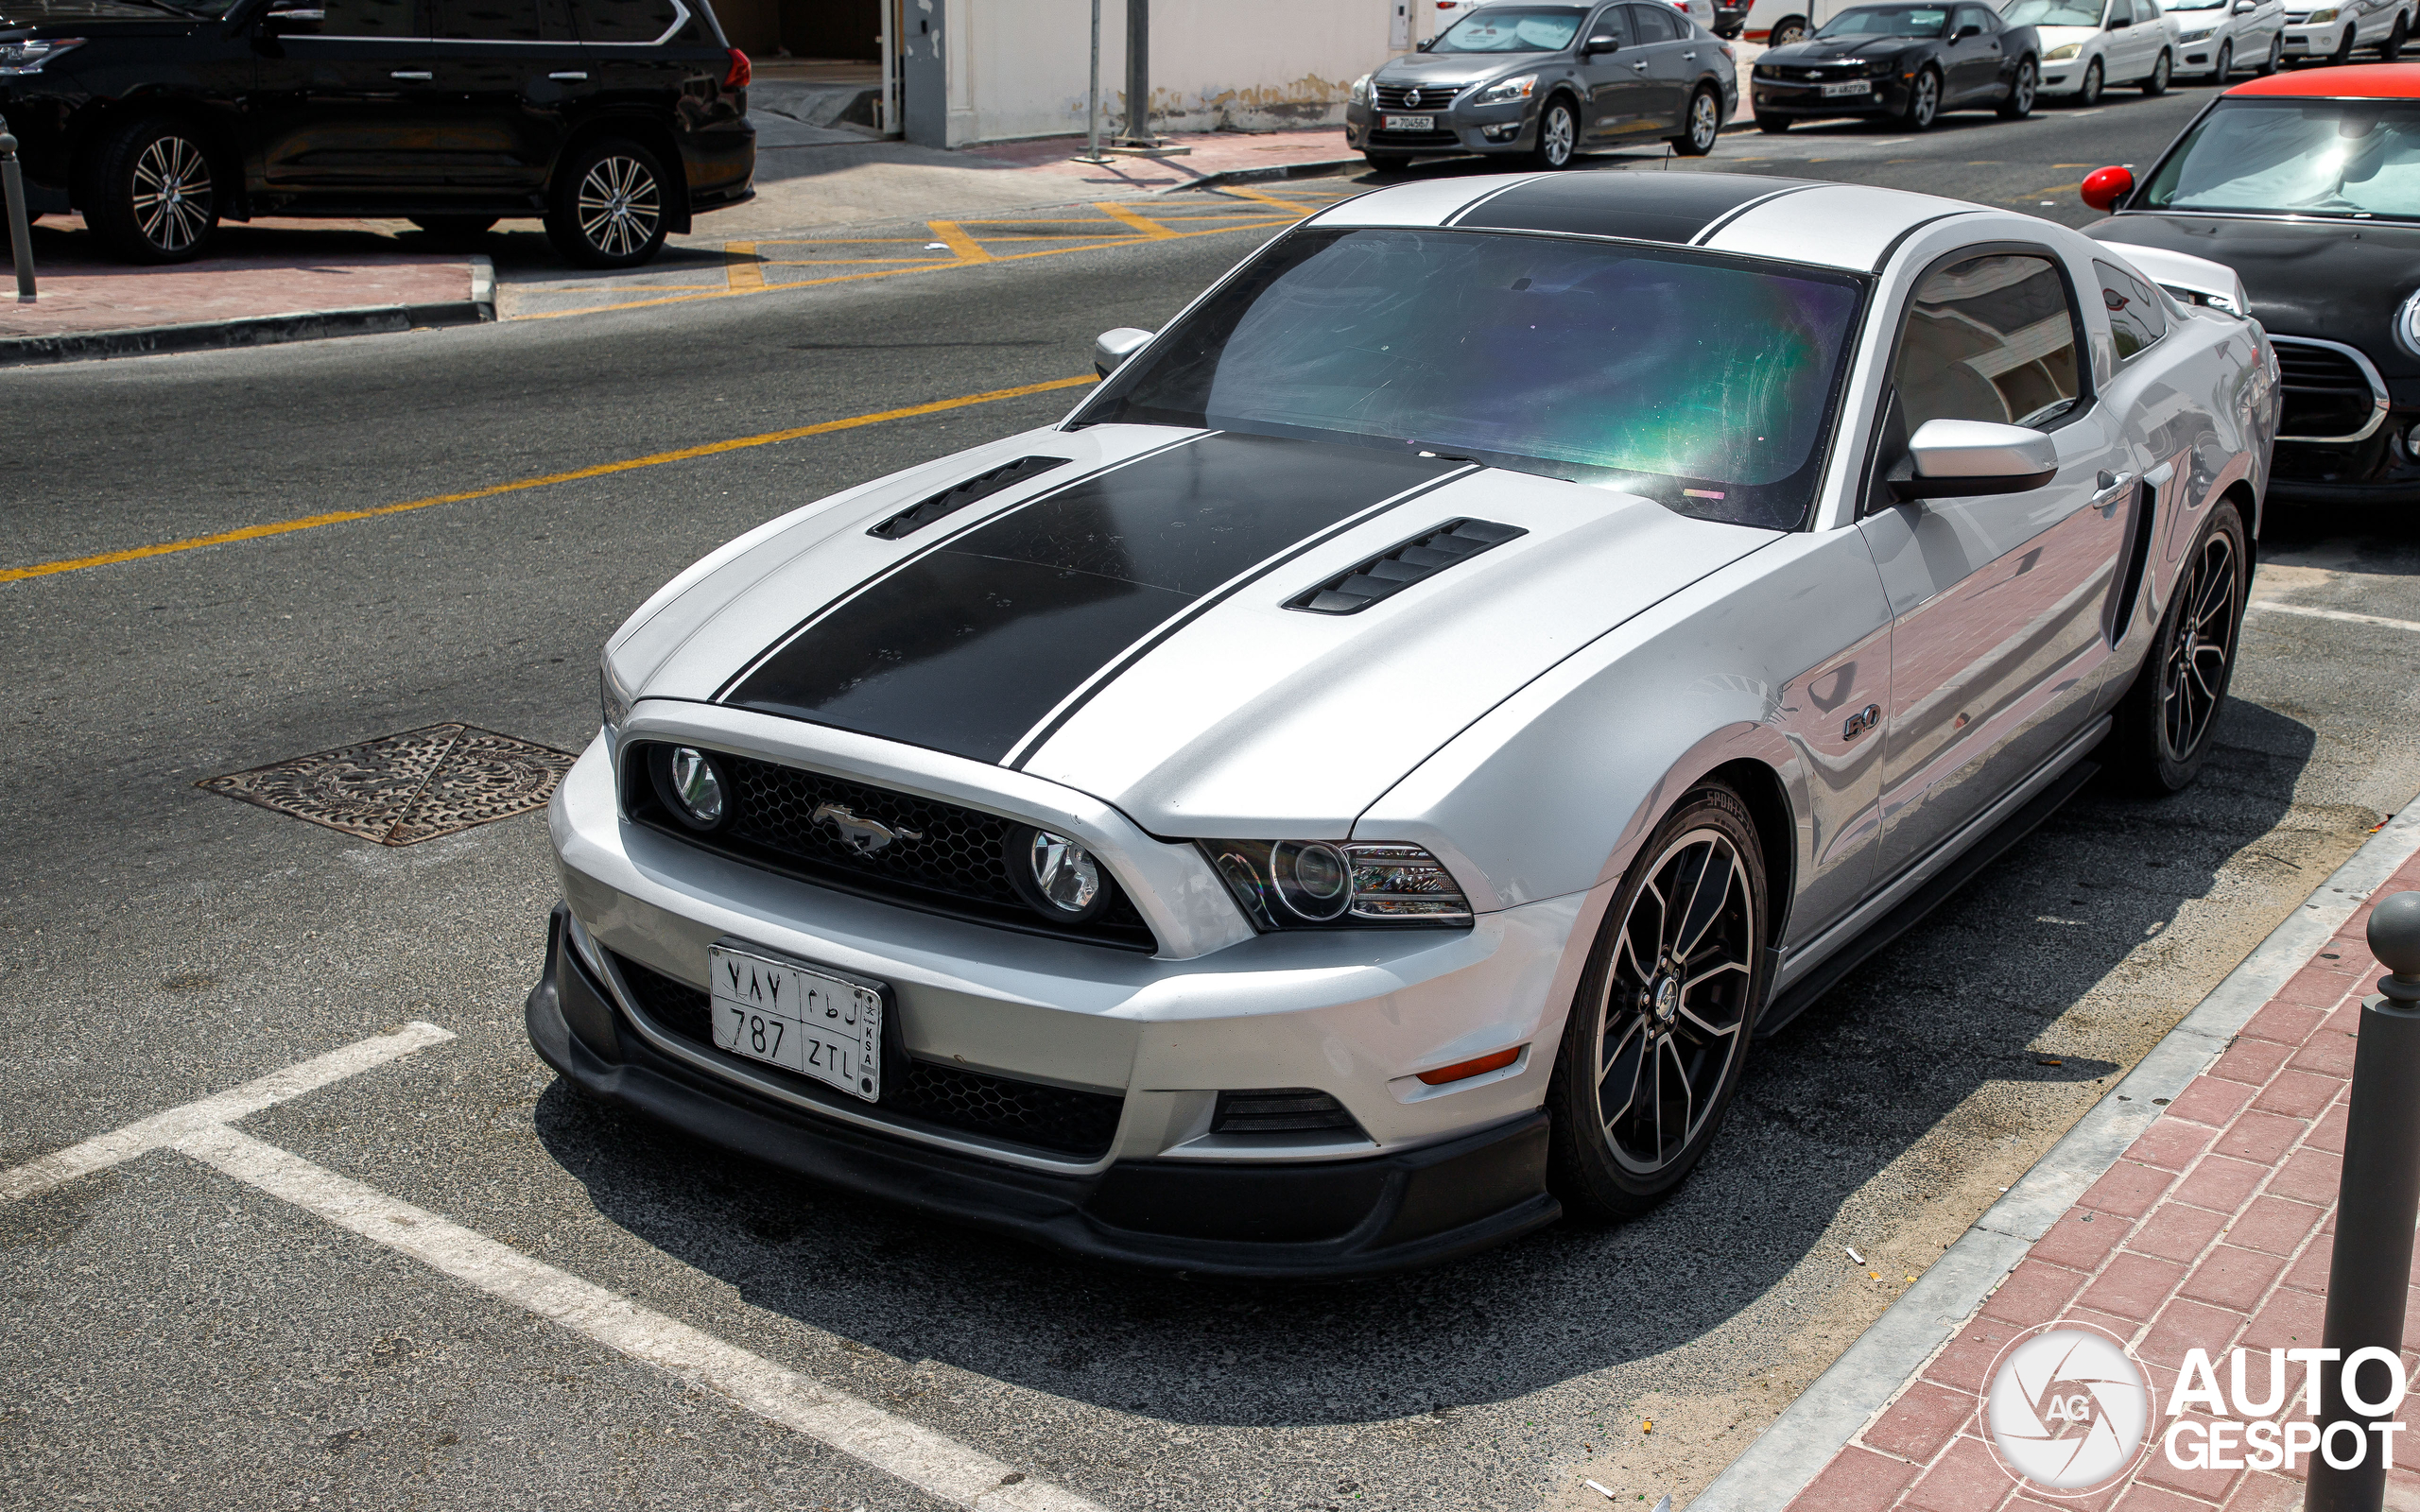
[(1415, 561), (951, 500)]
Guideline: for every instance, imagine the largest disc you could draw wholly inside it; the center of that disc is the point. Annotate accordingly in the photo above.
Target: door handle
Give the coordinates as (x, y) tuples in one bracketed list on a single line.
[(1691, 55), (574, 77), (2114, 486), (411, 73), (1640, 66)]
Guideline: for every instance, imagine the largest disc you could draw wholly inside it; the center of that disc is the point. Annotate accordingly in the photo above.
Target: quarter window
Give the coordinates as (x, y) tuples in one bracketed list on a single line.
[(2135, 319), (1990, 338), (371, 18), (623, 20)]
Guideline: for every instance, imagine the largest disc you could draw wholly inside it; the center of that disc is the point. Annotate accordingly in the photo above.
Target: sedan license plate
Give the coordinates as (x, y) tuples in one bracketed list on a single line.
[(1833, 92), (1408, 123), (800, 1020)]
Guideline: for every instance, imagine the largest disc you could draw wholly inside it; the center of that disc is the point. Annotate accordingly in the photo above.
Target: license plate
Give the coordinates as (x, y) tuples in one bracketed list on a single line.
[(1408, 123), (803, 1020), (1833, 92)]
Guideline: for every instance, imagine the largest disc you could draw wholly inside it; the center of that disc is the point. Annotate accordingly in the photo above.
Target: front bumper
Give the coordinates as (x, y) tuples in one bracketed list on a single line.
[(1885, 96), (2379, 470), (1507, 128), (2316, 41), (1395, 1211)]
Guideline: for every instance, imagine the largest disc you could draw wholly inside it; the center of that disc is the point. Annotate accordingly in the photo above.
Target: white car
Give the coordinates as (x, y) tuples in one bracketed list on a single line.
[(2087, 46), (2214, 38), (1781, 22), (1443, 13), (2333, 31)]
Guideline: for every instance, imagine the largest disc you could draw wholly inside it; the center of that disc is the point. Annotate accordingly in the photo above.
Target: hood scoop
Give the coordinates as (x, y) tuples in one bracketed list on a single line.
[(1398, 567), (950, 500)]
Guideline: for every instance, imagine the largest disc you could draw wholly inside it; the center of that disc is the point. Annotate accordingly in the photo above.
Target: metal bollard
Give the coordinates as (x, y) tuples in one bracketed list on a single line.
[(21, 239), (2377, 1199)]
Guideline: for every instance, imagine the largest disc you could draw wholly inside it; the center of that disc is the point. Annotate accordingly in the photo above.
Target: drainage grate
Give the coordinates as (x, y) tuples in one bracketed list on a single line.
[(407, 788)]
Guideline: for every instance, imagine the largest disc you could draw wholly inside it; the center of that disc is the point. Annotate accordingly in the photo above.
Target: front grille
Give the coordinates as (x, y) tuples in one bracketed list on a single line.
[(2327, 395), (1433, 97), (1280, 1110), (1053, 1119), (1803, 72), (948, 859)]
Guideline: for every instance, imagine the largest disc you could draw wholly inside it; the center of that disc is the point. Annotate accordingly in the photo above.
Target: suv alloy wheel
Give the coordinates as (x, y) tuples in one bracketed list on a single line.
[(152, 197), (605, 207)]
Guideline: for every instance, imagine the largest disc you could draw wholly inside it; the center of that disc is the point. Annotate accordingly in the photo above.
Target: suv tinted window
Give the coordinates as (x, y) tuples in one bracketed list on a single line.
[(1989, 338), (371, 18), (502, 20), (623, 20), (2135, 315)]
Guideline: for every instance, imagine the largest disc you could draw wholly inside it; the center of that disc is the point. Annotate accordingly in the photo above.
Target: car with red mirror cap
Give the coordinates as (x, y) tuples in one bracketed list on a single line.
[(2306, 184)]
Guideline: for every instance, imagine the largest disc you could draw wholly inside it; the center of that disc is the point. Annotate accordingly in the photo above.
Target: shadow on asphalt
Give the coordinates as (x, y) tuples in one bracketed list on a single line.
[(1825, 1106)]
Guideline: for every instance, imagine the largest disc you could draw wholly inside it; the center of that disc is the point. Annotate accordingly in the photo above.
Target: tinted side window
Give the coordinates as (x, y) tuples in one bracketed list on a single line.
[(371, 18), (1977, 16), (623, 20), (2135, 315), (502, 20), (1990, 337), (1654, 24), (2120, 10), (1614, 22)]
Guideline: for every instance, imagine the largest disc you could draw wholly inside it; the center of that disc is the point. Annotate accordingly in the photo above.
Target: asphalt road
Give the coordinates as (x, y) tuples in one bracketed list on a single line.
[(174, 1337)]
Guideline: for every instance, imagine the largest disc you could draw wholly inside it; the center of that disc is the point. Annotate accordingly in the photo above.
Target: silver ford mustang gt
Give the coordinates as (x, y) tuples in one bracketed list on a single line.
[(1352, 790)]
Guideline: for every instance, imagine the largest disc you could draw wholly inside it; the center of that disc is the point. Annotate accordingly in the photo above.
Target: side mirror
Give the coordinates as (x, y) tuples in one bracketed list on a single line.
[(1424, 44), (1112, 348), (1970, 29), (2245, 8), (291, 20), (2104, 189), (1600, 43), (1959, 459)]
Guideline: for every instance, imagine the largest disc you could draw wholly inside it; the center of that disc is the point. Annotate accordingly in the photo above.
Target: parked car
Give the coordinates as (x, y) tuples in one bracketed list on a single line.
[(2090, 44), (1544, 81), (1352, 790), (2214, 38), (2334, 32), (1905, 63), (614, 120), (2307, 185)]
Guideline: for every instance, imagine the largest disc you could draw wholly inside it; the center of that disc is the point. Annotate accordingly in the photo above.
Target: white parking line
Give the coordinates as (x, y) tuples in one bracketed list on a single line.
[(2346, 615), (929, 1461)]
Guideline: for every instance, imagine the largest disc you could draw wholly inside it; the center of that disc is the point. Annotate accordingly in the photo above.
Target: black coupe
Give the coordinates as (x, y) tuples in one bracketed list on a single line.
[(1904, 62)]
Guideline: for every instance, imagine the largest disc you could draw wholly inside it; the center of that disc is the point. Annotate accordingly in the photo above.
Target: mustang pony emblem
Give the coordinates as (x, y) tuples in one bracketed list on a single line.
[(864, 837)]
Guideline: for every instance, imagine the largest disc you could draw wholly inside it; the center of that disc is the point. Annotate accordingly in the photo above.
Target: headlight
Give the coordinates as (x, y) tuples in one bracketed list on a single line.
[(2195, 36), (689, 782), (2064, 51), (18, 57), (1507, 89), (2320, 17), (1321, 883), (2406, 324), (614, 701), (1058, 878), (1361, 90), (1881, 67)]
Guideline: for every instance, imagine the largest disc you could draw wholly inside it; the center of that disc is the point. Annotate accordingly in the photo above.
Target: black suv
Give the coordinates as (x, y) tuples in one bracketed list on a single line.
[(615, 120)]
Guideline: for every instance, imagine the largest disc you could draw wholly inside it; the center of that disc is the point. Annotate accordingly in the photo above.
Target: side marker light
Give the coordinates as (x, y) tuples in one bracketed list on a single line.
[(1465, 1070)]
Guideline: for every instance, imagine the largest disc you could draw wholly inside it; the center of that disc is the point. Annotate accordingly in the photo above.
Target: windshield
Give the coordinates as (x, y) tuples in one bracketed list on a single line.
[(2299, 157), (2052, 13), (1511, 29), (1702, 383), (1887, 21)]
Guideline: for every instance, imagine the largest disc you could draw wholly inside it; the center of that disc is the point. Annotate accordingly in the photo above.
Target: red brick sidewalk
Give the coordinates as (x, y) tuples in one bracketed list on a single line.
[(2212, 1230)]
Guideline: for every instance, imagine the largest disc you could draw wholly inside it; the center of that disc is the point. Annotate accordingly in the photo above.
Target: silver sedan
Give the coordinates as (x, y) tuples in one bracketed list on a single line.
[(1352, 792)]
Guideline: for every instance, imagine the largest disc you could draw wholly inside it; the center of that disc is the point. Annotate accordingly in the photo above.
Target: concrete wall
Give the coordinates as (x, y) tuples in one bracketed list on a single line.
[(1016, 68)]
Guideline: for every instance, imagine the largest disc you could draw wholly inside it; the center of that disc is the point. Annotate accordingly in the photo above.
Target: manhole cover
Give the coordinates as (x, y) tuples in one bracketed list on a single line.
[(407, 788)]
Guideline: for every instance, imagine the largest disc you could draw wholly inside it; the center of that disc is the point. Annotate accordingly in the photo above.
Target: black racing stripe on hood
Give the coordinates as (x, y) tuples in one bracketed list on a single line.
[(970, 645), (1649, 207)]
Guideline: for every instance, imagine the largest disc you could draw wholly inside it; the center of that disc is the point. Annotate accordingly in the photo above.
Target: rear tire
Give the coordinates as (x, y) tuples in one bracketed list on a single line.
[(455, 231), (151, 195), (2021, 94), (1674, 982), (2166, 723), (1791, 32), (2156, 84), (1704, 121), (606, 205), (2276, 59)]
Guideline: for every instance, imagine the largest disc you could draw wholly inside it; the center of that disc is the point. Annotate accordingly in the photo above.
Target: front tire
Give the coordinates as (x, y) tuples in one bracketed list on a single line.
[(2165, 724), (152, 196), (1923, 103), (2088, 94), (1658, 1033), (1558, 136), (2392, 49), (2226, 65), (2157, 84), (2021, 95), (2343, 53), (1704, 126), (606, 205)]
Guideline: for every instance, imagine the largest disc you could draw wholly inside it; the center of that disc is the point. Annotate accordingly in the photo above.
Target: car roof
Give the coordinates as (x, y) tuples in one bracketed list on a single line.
[(1835, 225), (2360, 82)]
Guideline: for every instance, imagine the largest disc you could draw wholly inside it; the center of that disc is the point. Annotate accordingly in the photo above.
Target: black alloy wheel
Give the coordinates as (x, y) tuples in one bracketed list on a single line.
[(2165, 726), (1924, 102), (2019, 103), (2157, 84), (2226, 65), (1558, 135), (606, 207), (1705, 122), (152, 197), (2392, 49), (2276, 59), (2089, 94), (1791, 32), (1658, 1033), (455, 231), (2343, 53)]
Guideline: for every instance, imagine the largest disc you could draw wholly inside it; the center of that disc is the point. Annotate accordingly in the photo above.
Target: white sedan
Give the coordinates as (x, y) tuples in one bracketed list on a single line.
[(2214, 38), (2090, 45)]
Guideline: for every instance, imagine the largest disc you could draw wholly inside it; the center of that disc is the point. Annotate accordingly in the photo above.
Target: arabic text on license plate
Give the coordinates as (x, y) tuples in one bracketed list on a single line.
[(1835, 90), (1408, 123), (799, 1020)]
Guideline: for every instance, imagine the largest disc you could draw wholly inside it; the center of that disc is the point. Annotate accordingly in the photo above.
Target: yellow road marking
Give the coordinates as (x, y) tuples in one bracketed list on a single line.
[(2054, 189), (1124, 217), (685, 453), (950, 234), (742, 271)]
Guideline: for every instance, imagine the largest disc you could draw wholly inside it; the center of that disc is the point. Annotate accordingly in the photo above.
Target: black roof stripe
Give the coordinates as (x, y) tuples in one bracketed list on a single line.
[(1714, 228), (1652, 207)]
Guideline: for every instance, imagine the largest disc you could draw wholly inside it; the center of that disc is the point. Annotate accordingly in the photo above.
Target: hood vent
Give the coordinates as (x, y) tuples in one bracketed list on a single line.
[(951, 500), (1415, 561)]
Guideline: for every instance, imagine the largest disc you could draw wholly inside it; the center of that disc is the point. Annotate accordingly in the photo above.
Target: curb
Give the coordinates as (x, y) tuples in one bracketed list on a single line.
[(260, 330), (1322, 167), (1788, 1456)]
